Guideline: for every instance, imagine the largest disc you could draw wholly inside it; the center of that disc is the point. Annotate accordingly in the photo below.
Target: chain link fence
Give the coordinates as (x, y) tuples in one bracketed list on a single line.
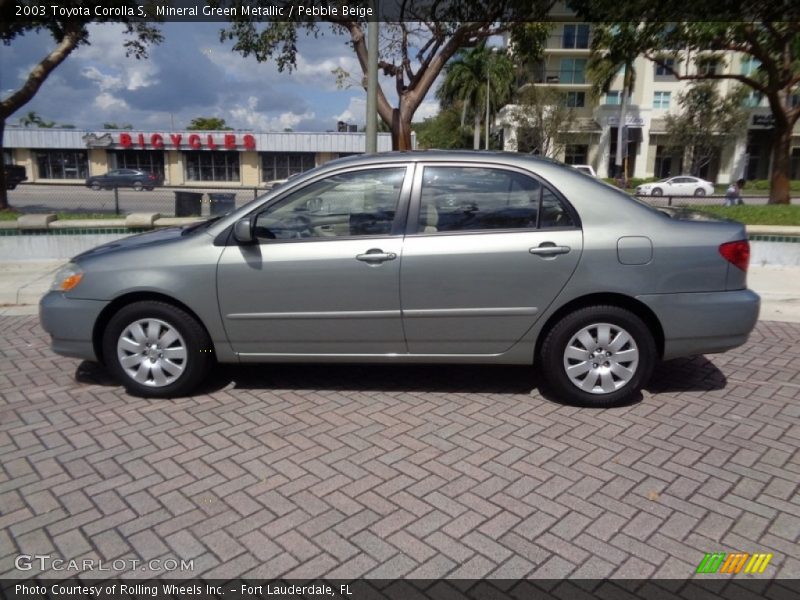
[(208, 201), (168, 201)]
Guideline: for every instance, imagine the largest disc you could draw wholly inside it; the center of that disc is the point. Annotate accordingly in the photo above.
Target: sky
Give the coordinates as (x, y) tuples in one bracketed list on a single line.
[(191, 74)]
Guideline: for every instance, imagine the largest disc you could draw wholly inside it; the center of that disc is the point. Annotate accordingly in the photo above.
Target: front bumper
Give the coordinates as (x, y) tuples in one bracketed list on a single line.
[(70, 323), (704, 322)]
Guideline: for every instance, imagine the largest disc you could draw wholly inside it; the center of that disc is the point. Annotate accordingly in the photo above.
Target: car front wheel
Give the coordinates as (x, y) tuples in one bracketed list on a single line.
[(96, 186), (156, 349), (658, 192), (598, 356)]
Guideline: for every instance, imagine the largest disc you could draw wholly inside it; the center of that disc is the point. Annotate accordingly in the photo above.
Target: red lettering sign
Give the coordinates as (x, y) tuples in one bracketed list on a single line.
[(141, 140), (230, 141), (176, 139), (211, 144), (156, 141), (125, 140), (249, 142), (194, 141)]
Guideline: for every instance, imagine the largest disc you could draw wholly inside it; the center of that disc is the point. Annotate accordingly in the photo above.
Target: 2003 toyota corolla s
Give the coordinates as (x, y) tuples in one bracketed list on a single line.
[(415, 257)]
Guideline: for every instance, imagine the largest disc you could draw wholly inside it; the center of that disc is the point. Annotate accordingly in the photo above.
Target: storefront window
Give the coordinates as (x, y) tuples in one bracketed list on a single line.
[(212, 166), (281, 165), (62, 164), (151, 161)]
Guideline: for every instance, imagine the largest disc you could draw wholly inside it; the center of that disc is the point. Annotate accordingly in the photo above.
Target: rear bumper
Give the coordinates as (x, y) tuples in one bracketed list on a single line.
[(706, 322), (70, 323)]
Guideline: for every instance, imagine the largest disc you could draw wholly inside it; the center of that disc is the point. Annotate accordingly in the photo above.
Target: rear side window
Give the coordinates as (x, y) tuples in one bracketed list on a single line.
[(480, 199)]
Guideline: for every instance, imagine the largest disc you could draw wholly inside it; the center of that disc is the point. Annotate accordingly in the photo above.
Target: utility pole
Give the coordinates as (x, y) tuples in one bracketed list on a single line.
[(622, 138), (372, 81)]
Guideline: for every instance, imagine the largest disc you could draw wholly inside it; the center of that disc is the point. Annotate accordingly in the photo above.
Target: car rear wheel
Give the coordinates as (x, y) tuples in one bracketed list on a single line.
[(598, 356), (96, 186), (699, 192), (137, 185), (658, 192), (157, 350)]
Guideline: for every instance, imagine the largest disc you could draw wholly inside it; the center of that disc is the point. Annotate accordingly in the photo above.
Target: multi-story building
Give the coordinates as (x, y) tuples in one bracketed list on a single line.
[(592, 138)]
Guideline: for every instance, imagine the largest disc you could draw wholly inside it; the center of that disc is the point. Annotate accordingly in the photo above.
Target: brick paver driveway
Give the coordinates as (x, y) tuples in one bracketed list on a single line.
[(407, 471)]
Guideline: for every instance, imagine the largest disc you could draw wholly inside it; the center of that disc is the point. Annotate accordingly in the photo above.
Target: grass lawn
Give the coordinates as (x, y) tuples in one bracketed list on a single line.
[(775, 214)]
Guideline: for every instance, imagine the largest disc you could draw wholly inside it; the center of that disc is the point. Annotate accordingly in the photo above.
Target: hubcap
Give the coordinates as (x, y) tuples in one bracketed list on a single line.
[(601, 358), (152, 352)]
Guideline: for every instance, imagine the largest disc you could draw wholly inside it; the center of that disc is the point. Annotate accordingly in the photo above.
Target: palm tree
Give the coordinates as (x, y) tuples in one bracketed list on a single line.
[(603, 68), (33, 119), (479, 79)]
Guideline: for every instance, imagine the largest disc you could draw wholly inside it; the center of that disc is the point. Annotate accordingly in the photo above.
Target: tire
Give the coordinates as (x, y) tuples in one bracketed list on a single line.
[(96, 186), (137, 185), (143, 327), (149, 189), (658, 192), (699, 192), (608, 381)]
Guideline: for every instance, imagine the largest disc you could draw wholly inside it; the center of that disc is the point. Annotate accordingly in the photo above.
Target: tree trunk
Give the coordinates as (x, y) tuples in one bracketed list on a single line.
[(781, 164), (401, 131), (3, 191)]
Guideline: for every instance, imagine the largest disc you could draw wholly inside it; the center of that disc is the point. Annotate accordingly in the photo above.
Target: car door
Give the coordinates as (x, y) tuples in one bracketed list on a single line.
[(487, 250), (323, 277)]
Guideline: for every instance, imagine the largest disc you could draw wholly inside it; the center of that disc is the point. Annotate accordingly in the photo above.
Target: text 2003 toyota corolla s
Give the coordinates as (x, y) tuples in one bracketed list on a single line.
[(415, 257)]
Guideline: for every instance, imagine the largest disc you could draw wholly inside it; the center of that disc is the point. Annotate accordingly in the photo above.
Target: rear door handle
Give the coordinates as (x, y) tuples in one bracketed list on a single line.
[(376, 256), (549, 249)]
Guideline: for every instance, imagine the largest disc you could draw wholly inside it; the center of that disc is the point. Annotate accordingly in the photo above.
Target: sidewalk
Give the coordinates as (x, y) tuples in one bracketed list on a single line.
[(22, 283)]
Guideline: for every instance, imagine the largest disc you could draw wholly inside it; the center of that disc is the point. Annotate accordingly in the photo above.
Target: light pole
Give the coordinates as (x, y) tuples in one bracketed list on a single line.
[(372, 83)]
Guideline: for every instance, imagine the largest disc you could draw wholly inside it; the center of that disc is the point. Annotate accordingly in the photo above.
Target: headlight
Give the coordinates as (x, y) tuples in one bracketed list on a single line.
[(67, 277)]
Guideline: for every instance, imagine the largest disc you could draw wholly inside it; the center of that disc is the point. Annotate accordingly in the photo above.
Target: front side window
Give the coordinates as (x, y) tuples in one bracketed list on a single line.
[(66, 164), (661, 99), (358, 203), (212, 166), (455, 199)]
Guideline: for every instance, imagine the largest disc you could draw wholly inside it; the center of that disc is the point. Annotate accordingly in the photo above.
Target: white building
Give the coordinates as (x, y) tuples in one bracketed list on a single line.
[(593, 138)]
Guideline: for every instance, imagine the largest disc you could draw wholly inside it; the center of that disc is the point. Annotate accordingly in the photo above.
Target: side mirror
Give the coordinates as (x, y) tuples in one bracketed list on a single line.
[(243, 231)]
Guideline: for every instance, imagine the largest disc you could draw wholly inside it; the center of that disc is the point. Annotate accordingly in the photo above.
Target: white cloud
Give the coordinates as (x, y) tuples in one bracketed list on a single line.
[(428, 108), (106, 101), (355, 112), (103, 80), (247, 117)]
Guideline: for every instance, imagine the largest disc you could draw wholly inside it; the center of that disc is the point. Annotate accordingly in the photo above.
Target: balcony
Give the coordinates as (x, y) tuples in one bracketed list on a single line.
[(575, 43), (557, 77)]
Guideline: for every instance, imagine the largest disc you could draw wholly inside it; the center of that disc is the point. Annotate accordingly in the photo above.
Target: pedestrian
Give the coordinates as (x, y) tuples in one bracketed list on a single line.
[(733, 195)]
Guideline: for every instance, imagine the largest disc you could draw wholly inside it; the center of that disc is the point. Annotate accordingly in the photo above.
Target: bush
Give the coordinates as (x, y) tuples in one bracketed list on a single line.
[(763, 184)]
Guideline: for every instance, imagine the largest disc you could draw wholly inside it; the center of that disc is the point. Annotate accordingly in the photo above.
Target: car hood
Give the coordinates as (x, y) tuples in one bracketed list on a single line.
[(149, 238)]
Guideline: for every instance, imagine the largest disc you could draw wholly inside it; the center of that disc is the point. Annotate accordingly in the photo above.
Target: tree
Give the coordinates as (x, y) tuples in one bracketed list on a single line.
[(466, 78), (33, 119), (68, 33), (766, 31), (208, 124), (419, 39), (117, 126), (442, 131), (542, 120), (707, 122)]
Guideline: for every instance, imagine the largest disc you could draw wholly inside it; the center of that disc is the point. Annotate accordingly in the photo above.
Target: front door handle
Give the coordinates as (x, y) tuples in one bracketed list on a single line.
[(376, 256), (549, 249)]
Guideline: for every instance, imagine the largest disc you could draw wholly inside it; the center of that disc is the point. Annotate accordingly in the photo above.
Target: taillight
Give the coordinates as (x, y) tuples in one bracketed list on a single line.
[(737, 253)]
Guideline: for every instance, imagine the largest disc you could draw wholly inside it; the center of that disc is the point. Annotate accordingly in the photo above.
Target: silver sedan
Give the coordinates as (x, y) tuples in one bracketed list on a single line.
[(457, 257)]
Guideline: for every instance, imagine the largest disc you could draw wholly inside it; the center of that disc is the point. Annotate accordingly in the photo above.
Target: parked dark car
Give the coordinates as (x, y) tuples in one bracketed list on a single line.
[(430, 257), (14, 175), (135, 178)]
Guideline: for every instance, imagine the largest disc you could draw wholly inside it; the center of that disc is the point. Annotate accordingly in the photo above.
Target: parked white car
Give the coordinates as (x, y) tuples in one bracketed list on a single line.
[(683, 185)]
